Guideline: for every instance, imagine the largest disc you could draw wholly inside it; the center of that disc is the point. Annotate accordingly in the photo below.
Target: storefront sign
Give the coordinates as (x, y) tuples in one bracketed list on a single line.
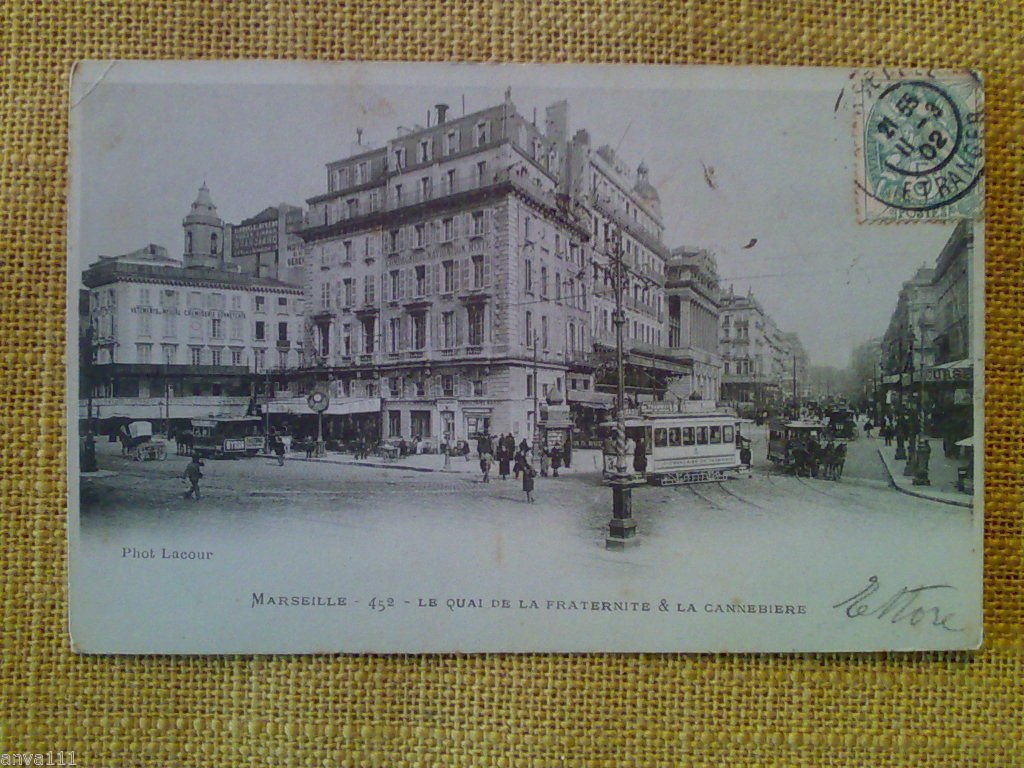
[(938, 375)]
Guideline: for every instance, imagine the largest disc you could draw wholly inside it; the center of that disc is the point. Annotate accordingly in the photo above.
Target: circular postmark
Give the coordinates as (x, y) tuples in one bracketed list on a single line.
[(922, 145)]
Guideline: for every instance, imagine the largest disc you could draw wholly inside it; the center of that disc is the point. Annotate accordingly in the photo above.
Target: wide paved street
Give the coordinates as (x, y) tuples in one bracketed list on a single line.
[(324, 527)]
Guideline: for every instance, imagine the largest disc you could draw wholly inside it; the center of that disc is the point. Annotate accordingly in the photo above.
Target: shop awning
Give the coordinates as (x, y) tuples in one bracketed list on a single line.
[(588, 398)]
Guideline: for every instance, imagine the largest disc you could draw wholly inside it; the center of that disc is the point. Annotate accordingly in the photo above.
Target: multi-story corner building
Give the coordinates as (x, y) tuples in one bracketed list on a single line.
[(926, 348), (624, 211), (908, 341), (183, 340), (952, 317), (756, 361), (693, 302), (446, 275)]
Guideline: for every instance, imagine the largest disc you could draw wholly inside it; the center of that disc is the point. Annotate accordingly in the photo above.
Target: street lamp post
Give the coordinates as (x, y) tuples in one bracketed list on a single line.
[(901, 419), (87, 462), (924, 450), (622, 527)]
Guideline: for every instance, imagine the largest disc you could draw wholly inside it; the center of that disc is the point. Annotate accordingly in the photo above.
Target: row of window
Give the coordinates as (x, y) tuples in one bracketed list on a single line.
[(423, 151), (637, 330), (215, 326), (206, 356), (673, 437), (445, 385), (566, 289), (169, 298), (575, 338)]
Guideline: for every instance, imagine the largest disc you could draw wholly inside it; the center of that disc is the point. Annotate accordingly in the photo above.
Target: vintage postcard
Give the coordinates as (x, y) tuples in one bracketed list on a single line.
[(461, 358)]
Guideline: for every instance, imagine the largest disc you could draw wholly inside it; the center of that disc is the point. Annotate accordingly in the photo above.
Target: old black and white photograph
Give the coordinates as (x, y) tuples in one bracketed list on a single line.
[(461, 358)]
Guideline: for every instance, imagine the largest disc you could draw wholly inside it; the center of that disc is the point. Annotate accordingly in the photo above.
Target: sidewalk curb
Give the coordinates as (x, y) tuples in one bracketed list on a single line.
[(372, 464), (920, 494)]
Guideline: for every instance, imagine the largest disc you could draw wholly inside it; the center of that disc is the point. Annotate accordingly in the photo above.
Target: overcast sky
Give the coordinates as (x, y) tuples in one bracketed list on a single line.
[(779, 154)]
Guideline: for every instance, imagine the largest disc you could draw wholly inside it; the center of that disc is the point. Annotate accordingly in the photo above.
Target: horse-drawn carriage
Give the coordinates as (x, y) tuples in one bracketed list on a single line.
[(137, 442), (806, 448)]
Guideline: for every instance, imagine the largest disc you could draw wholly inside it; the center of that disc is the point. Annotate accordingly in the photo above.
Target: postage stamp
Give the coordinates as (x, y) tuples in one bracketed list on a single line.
[(401, 358), (920, 145)]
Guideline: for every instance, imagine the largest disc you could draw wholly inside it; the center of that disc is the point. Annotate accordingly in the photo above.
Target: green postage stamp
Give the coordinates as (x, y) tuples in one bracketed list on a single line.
[(920, 147)]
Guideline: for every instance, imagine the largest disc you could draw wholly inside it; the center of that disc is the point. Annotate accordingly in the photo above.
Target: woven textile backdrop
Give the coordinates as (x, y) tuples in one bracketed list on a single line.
[(877, 710)]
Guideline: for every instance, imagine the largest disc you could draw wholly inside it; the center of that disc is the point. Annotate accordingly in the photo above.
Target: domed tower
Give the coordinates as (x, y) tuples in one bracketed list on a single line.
[(645, 190), (204, 233)]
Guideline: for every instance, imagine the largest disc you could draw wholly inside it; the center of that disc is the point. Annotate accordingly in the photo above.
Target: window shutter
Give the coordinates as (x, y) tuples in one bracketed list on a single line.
[(466, 276), (459, 322), (487, 271)]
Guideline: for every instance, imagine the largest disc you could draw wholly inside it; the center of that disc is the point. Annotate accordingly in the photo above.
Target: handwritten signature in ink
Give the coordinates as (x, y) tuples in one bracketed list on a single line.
[(911, 605)]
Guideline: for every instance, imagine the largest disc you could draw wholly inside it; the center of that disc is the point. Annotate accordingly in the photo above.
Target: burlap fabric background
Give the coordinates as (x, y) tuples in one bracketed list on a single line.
[(908, 710)]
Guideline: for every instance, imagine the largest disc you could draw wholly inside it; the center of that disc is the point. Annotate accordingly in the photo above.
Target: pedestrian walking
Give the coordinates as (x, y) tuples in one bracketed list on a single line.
[(192, 474), (519, 464), (504, 460), (567, 451), (485, 466), (528, 475), (545, 462), (556, 460), (868, 426), (279, 450), (640, 457)]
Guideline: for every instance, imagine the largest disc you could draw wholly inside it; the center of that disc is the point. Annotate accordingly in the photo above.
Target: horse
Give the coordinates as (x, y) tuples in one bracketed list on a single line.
[(828, 461), (840, 461)]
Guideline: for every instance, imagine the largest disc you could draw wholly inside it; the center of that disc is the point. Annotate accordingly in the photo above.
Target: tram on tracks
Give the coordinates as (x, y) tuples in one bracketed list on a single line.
[(224, 437), (681, 448)]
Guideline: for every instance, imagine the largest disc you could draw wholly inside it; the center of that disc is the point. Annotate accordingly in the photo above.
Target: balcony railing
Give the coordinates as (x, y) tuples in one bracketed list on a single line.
[(443, 187)]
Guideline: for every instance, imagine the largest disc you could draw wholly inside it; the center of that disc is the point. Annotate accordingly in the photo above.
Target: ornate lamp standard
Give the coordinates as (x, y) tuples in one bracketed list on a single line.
[(622, 527)]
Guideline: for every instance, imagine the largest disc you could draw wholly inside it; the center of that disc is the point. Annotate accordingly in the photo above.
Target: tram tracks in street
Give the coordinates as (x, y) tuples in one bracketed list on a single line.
[(727, 492)]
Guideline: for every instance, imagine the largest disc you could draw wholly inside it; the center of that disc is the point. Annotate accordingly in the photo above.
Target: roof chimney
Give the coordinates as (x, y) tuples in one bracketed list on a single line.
[(442, 112)]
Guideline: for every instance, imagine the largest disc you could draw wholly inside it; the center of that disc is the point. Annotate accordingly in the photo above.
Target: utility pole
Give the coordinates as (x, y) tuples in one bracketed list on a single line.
[(535, 438), (167, 399), (796, 403), (622, 527), (266, 409)]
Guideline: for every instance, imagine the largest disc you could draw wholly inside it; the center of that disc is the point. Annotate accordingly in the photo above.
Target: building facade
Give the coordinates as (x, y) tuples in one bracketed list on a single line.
[(444, 276), (926, 350), (184, 341), (266, 245), (693, 300)]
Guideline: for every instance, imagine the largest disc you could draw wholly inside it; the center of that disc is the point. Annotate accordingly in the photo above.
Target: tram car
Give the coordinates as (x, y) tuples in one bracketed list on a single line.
[(227, 436), (681, 447), (788, 442), (842, 424)]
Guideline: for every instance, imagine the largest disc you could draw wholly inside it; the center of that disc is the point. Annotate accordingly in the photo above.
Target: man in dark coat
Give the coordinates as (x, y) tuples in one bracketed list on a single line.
[(192, 474), (567, 451), (640, 457)]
